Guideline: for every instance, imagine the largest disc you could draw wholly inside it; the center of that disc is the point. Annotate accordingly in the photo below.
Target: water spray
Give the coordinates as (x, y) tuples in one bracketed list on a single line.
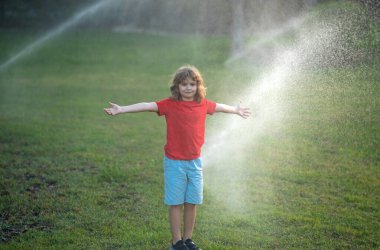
[(55, 32), (225, 153)]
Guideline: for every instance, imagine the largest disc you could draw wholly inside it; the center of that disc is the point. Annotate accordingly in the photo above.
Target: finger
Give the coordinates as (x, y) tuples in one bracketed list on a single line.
[(108, 111), (112, 104)]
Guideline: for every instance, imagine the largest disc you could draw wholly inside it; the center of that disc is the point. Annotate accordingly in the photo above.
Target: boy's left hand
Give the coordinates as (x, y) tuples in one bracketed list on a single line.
[(242, 111)]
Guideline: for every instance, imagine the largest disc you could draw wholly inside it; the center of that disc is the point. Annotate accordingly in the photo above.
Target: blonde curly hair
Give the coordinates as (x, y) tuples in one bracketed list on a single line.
[(183, 73)]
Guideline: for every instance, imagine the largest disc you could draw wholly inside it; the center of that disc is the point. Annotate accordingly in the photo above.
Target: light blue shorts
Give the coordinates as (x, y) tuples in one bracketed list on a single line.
[(183, 181)]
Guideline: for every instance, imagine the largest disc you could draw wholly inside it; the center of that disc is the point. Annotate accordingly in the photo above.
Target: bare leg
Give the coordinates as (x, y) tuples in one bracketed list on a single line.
[(189, 220), (175, 222)]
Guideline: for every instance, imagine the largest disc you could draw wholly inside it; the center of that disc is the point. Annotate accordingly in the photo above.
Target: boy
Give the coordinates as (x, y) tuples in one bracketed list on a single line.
[(185, 112)]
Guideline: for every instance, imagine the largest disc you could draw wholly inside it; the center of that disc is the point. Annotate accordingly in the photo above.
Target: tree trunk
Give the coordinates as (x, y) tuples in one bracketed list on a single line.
[(237, 27)]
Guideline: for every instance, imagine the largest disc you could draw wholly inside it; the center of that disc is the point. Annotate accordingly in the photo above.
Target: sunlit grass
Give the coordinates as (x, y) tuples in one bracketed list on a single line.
[(73, 177)]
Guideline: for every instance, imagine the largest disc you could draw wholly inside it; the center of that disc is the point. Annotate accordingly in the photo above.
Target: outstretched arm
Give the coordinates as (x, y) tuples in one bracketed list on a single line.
[(238, 110), (134, 108)]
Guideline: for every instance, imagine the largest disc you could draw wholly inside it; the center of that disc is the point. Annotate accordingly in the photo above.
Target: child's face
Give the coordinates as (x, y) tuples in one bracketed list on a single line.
[(188, 89)]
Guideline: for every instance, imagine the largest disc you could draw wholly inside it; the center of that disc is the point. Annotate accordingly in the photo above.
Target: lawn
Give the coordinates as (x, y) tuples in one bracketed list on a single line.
[(75, 178)]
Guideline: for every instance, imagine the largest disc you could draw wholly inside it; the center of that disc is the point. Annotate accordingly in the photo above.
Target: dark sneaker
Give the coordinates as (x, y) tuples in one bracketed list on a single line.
[(180, 245), (191, 245)]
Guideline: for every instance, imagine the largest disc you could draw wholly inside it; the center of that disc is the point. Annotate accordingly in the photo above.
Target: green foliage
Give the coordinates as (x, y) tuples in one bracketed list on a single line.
[(21, 14)]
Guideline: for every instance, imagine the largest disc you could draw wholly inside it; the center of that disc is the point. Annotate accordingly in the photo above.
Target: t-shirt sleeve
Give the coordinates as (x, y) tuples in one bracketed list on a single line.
[(211, 106), (162, 106)]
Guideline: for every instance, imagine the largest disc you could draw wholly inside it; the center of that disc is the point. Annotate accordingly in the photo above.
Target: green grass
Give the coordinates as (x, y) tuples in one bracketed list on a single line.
[(75, 178)]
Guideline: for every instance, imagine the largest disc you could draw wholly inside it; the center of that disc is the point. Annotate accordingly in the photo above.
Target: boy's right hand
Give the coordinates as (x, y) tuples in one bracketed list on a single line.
[(113, 110)]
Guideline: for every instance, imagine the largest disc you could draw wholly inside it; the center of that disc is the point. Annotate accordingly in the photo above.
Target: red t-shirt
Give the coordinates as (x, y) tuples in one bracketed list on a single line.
[(185, 126)]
